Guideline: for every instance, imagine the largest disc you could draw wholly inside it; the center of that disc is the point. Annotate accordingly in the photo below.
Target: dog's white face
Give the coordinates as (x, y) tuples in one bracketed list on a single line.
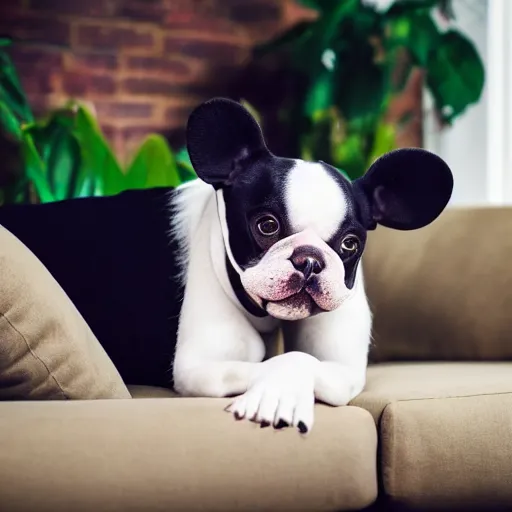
[(310, 237), (295, 231)]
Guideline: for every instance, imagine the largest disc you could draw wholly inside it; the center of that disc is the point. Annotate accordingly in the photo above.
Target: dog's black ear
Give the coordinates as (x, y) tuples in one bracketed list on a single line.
[(221, 136), (404, 189)]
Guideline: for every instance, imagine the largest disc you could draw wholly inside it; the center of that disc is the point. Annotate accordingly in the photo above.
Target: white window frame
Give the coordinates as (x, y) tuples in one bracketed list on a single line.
[(499, 100)]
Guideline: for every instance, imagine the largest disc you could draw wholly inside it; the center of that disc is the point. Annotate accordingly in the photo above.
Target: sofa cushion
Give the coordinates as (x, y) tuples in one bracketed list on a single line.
[(443, 292), (445, 433), (180, 454), (139, 391), (47, 351)]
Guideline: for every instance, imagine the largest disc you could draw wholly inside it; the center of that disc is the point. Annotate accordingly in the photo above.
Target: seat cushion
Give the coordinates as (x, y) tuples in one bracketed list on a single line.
[(47, 351), (445, 431), (443, 292), (138, 391), (180, 454)]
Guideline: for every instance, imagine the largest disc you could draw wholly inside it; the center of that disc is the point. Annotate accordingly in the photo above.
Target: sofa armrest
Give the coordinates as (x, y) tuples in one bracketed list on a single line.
[(180, 454)]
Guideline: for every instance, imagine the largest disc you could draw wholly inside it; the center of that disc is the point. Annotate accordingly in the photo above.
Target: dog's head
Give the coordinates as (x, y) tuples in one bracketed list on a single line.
[(295, 231)]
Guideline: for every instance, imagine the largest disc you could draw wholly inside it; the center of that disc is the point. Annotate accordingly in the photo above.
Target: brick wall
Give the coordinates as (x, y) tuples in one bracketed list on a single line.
[(143, 64)]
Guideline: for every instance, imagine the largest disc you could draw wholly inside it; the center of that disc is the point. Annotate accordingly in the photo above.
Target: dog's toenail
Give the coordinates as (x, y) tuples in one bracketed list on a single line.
[(282, 424), (264, 424), (238, 416), (302, 427)]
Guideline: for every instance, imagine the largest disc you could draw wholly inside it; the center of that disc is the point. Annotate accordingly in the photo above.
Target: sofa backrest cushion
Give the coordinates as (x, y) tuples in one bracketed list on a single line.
[(443, 292), (47, 351)]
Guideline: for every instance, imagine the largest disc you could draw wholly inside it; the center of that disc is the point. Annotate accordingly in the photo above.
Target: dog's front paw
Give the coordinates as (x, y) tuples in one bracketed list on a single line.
[(282, 393)]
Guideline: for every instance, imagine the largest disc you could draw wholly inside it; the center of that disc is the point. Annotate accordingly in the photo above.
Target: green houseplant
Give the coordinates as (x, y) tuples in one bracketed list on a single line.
[(347, 57), (65, 154)]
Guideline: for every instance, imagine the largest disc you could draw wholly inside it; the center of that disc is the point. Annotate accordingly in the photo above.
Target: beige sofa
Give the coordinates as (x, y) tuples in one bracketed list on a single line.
[(431, 431)]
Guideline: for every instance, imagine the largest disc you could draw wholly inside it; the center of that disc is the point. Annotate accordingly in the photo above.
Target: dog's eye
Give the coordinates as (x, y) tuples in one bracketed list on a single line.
[(350, 244), (268, 225)]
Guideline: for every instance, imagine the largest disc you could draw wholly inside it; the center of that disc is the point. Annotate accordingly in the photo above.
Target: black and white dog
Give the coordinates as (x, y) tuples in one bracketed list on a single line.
[(186, 288)]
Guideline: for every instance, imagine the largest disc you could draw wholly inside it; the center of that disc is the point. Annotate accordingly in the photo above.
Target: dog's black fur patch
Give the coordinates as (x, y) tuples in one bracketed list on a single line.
[(114, 258)]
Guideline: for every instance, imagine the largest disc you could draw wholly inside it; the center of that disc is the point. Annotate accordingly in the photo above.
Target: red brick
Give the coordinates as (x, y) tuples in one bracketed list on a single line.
[(247, 11), (177, 115), (104, 37), (191, 20), (214, 51), (35, 80), (174, 66), (36, 56), (160, 87), (147, 86), (95, 61), (123, 109), (143, 10), (38, 104), (24, 26), (80, 84), (81, 8)]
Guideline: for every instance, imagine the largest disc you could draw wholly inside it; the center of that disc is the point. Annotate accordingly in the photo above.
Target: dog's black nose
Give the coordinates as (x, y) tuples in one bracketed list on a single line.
[(308, 260)]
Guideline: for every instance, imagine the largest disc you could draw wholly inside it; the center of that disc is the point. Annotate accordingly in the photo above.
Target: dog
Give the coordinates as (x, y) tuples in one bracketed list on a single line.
[(186, 288)]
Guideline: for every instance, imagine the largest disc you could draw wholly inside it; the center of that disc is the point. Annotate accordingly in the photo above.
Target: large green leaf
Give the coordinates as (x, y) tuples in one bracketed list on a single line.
[(384, 141), (320, 95), (417, 32), (35, 169), (12, 171), (327, 5), (401, 7), (350, 156), (9, 125), (154, 165), (100, 173), (60, 152), (11, 91), (307, 55), (361, 84), (455, 75)]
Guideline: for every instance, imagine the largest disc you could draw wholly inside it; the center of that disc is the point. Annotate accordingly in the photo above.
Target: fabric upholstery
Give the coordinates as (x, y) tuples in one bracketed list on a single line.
[(445, 433), (151, 392), (443, 292), (47, 351), (180, 454)]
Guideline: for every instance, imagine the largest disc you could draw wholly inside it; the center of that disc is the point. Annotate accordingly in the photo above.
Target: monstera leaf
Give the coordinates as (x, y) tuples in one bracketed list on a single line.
[(360, 82), (417, 32), (320, 95), (401, 7), (455, 75)]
